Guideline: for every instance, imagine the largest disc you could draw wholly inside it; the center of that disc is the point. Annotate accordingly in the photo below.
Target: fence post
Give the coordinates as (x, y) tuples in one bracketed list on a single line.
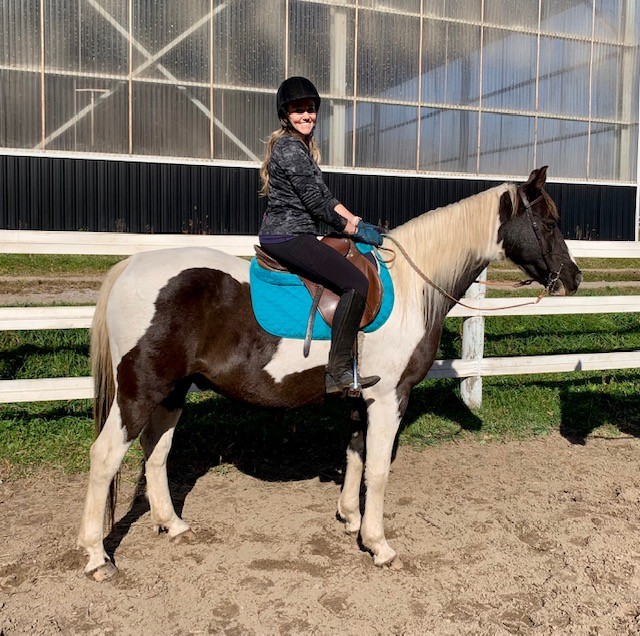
[(473, 346)]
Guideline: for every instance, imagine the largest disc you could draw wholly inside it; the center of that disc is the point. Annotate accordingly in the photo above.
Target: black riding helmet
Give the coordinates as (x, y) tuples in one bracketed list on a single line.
[(291, 90)]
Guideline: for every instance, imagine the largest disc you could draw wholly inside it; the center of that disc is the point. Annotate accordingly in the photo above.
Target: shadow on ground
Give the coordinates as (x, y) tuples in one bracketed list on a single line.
[(272, 445), (584, 412)]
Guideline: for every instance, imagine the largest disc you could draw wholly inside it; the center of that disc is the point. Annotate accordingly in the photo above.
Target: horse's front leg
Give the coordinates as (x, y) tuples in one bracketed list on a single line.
[(383, 424), (107, 453), (349, 502), (156, 441)]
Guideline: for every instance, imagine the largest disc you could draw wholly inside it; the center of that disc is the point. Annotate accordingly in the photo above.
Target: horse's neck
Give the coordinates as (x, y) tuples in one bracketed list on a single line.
[(451, 246)]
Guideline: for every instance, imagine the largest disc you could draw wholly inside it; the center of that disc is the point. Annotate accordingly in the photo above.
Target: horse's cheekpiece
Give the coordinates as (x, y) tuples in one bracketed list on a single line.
[(282, 304)]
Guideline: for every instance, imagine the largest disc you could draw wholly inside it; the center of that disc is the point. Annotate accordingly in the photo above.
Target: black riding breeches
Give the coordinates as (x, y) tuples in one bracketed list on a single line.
[(306, 256)]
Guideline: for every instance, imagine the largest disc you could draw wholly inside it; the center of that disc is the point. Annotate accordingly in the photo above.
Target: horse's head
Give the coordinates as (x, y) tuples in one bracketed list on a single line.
[(532, 239)]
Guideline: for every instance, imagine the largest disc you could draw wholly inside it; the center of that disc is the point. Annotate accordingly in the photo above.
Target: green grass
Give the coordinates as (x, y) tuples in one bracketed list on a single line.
[(44, 354), (593, 269), (53, 264), (214, 431), (576, 404)]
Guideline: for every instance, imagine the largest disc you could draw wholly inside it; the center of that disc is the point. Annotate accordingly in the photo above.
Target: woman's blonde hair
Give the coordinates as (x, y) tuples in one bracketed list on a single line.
[(311, 144)]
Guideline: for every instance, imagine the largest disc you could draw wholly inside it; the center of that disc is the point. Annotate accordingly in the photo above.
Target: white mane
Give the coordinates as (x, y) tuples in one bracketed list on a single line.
[(443, 243)]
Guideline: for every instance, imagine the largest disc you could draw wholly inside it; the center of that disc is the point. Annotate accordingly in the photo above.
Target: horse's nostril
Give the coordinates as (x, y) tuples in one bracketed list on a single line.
[(558, 289)]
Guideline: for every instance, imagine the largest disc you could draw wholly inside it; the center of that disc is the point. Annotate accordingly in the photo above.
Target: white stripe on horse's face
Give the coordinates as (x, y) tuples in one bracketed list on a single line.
[(289, 359), (131, 305)]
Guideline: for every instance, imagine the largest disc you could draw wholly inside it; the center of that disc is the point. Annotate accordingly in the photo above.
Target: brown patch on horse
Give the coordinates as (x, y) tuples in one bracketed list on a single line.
[(506, 209), (204, 331)]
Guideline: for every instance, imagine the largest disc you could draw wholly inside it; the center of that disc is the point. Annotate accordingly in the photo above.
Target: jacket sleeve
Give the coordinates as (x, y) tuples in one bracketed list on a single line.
[(313, 192)]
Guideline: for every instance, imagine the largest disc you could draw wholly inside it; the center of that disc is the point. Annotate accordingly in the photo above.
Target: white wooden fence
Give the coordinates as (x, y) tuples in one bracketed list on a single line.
[(471, 368)]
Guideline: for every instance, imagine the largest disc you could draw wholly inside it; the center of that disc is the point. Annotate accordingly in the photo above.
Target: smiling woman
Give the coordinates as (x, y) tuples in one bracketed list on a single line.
[(298, 200), (302, 115)]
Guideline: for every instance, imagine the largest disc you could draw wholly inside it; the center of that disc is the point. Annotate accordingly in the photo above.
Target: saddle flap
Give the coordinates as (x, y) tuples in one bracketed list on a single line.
[(329, 300)]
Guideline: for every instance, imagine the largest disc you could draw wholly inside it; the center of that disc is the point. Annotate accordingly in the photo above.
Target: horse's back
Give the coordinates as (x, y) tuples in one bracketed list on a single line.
[(162, 265)]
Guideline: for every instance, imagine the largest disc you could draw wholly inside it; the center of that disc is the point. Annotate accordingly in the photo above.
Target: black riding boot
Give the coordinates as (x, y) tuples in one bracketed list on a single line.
[(346, 322)]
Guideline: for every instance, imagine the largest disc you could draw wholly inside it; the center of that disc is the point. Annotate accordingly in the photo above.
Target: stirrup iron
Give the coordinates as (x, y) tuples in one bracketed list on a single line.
[(355, 390)]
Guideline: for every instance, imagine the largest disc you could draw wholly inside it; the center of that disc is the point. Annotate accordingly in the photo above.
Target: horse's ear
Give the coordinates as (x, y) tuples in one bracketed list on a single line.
[(537, 179)]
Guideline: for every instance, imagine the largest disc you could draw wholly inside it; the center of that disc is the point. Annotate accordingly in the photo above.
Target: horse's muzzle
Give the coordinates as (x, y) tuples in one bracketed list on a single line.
[(559, 287)]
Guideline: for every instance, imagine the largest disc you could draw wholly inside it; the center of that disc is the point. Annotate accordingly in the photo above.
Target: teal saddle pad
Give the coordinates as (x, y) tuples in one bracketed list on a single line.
[(281, 302)]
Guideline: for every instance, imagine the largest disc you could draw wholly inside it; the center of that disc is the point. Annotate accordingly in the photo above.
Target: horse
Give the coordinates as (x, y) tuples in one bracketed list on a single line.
[(168, 319)]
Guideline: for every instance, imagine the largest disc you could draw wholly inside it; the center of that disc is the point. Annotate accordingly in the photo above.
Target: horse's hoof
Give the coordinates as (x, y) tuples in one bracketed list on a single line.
[(395, 564), (188, 536), (387, 559), (103, 572)]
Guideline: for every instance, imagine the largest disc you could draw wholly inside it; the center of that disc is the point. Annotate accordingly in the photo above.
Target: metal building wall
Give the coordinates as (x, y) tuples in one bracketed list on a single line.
[(49, 193)]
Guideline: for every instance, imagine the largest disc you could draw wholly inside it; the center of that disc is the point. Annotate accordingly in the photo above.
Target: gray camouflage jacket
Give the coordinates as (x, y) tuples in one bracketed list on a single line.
[(298, 197)]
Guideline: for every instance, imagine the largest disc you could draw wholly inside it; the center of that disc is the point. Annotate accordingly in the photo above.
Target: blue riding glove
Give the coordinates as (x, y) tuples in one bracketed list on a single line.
[(367, 233)]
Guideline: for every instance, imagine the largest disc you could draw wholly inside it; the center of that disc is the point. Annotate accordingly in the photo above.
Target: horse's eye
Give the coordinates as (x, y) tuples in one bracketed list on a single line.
[(550, 225)]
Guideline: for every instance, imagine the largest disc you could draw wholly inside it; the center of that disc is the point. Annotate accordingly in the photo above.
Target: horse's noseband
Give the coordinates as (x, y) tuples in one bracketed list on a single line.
[(554, 275)]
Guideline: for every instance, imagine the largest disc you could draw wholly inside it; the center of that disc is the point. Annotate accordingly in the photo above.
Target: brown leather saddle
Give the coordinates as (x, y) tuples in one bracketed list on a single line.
[(325, 300)]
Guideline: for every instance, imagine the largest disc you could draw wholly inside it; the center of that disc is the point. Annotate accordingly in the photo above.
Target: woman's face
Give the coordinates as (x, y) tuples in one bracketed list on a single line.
[(302, 115)]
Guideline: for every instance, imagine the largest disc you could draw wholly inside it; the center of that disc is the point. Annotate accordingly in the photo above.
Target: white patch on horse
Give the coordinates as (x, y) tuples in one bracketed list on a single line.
[(390, 348), (288, 358), (131, 306)]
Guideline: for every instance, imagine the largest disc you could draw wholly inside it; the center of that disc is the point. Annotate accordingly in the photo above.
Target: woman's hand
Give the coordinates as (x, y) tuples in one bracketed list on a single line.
[(352, 226), (368, 233)]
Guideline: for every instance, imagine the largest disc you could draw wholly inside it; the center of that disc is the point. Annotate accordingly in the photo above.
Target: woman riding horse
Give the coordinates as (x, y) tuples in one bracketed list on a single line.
[(167, 319), (297, 200)]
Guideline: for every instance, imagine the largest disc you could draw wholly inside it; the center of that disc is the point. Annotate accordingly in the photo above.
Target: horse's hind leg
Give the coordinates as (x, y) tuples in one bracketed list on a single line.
[(107, 453), (156, 441)]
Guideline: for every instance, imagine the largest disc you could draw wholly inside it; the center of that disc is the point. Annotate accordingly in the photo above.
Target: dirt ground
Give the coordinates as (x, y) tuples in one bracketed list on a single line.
[(48, 290), (534, 537)]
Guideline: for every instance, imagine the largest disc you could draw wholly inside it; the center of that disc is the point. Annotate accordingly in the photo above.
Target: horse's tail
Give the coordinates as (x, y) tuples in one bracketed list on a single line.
[(102, 369)]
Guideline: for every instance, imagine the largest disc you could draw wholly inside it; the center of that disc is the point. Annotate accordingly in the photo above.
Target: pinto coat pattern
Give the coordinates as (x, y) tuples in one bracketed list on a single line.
[(170, 318)]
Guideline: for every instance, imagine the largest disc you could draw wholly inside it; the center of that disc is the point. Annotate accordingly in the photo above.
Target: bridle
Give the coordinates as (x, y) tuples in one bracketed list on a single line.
[(553, 276)]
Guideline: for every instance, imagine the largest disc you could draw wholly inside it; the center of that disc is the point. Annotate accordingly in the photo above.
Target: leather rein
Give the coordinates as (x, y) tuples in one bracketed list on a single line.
[(551, 279)]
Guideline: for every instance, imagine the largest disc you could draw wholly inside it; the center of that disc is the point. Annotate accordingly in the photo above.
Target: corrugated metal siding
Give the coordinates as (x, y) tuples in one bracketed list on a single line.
[(78, 194)]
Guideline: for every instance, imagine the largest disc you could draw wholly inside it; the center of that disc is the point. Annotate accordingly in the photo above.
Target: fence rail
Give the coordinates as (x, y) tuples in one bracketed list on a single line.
[(470, 369), (120, 244)]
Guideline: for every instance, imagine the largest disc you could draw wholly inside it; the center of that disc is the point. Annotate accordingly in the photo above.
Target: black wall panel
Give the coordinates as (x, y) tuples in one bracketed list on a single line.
[(54, 193)]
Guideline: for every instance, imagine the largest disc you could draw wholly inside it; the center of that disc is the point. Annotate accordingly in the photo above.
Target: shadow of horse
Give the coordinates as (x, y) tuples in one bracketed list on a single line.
[(276, 446), (270, 445), (582, 412)]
